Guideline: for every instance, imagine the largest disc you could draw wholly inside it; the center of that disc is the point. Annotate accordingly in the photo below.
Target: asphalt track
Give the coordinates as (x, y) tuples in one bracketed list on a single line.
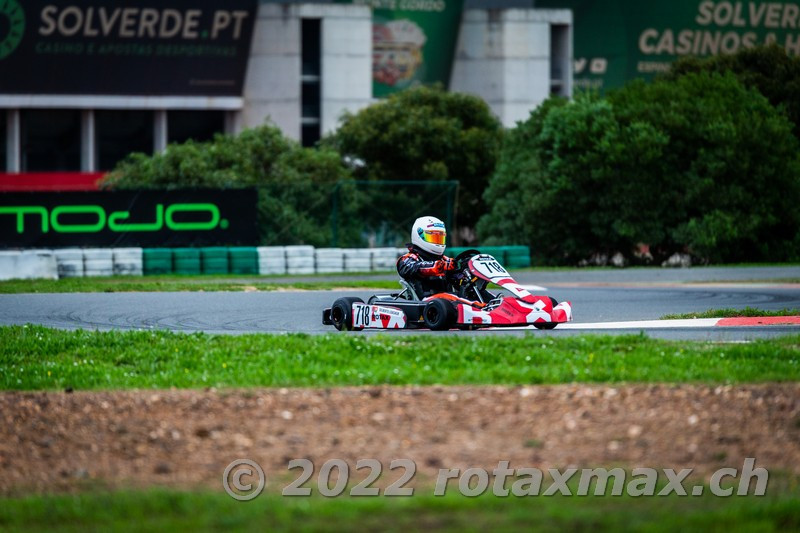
[(596, 296)]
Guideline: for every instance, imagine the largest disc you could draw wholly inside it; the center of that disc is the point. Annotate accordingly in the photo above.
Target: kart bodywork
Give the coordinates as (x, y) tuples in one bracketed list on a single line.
[(470, 306)]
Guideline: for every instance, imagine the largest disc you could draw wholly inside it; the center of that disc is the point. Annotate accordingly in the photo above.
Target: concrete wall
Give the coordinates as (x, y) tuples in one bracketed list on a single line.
[(346, 61), (504, 56), (273, 80)]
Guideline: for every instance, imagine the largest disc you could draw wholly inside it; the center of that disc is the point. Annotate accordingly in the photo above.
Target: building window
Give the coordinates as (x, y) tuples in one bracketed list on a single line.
[(120, 133), (560, 62), (51, 140), (311, 101), (196, 125), (3, 141), (311, 74)]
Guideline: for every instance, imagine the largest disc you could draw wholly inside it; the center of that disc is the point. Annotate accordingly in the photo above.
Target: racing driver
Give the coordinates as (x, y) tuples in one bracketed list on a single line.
[(425, 264)]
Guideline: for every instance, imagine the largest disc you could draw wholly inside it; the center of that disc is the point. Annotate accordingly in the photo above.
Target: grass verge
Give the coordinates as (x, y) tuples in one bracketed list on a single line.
[(181, 284), (164, 510), (35, 357), (731, 313)]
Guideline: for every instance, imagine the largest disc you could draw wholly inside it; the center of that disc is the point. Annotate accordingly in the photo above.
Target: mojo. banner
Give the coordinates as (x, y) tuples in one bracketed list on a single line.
[(413, 42), (129, 47), (194, 217), (617, 40)]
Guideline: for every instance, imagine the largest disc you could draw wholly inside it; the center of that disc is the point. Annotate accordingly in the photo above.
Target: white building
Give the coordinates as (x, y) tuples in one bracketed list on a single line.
[(307, 63)]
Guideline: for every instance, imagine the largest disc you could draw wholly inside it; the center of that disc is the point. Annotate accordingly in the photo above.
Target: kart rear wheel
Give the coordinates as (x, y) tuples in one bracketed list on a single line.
[(439, 315), (342, 313), (545, 325)]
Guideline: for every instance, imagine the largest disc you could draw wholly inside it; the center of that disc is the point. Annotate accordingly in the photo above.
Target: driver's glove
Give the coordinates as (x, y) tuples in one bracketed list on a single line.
[(445, 264)]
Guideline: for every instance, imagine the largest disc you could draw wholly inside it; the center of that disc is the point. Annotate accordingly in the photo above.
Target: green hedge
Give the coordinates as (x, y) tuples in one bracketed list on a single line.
[(699, 164)]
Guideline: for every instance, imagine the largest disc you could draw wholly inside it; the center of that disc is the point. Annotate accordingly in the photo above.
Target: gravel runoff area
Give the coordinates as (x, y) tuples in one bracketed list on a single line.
[(61, 441)]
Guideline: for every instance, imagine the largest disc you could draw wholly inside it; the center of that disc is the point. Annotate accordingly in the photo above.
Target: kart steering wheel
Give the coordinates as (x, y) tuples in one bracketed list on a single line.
[(464, 256)]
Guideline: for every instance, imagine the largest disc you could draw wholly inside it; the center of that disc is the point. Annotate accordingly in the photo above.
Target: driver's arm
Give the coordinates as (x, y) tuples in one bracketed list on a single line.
[(410, 265)]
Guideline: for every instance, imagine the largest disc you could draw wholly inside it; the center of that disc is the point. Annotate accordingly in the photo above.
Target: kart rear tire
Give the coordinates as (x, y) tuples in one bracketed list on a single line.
[(545, 325), (439, 315), (342, 313)]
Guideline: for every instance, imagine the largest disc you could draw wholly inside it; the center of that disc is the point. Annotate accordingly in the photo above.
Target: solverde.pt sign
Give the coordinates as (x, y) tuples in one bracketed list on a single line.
[(131, 47), (128, 218), (617, 40)]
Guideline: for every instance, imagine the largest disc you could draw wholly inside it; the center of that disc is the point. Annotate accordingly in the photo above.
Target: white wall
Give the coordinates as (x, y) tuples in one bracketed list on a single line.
[(504, 57), (272, 84), (346, 61)]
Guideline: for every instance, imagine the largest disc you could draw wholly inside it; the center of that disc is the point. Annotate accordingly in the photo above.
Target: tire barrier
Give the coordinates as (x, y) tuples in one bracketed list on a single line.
[(186, 261), (243, 260), (70, 262), (214, 260), (98, 262), (262, 260), (329, 260), (28, 264), (271, 260), (385, 258), (357, 259), (299, 259), (127, 261), (157, 261)]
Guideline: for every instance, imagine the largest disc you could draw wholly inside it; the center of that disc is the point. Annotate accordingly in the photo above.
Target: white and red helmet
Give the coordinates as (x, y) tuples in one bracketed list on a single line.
[(429, 234)]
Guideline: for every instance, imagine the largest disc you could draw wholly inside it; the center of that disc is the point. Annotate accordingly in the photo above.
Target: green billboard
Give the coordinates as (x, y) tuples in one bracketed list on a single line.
[(413, 42), (616, 40)]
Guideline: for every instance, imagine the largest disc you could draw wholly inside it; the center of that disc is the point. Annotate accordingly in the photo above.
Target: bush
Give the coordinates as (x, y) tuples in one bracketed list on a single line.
[(769, 69), (294, 183), (426, 134), (697, 163)]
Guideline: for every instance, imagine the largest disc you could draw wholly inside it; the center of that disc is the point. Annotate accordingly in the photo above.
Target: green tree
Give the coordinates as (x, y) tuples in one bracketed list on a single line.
[(294, 183), (770, 69), (732, 166), (570, 179), (699, 163), (427, 134)]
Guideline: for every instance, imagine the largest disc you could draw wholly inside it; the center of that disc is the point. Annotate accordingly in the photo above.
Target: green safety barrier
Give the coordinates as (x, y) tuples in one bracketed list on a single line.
[(214, 260), (186, 260), (510, 256), (518, 256), (243, 260), (499, 253), (156, 261)]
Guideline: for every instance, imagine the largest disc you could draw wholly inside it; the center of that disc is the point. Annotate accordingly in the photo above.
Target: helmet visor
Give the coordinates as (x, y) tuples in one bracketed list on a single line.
[(434, 236)]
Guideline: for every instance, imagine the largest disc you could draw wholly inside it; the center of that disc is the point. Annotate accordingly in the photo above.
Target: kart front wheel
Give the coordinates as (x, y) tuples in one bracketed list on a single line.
[(439, 315), (545, 325), (342, 313)]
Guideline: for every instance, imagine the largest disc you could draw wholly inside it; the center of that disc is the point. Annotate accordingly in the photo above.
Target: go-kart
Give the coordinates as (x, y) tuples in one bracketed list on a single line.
[(469, 306)]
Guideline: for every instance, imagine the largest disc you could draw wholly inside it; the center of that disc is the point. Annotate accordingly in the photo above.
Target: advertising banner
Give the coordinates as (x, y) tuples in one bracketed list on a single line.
[(617, 40), (129, 47), (413, 42), (196, 217)]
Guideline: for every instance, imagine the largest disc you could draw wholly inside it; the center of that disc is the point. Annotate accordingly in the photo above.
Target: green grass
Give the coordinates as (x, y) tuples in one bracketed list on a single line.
[(182, 283), (35, 357), (165, 510), (746, 281), (730, 313)]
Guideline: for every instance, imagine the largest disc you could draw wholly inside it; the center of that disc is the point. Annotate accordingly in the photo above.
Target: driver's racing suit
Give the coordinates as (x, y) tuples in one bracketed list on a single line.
[(425, 272)]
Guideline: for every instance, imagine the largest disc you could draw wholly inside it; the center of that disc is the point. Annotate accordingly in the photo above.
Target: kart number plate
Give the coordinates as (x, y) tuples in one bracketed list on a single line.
[(489, 267), (378, 317)]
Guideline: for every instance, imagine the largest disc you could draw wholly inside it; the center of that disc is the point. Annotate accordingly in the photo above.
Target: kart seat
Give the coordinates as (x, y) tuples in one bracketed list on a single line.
[(408, 291)]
